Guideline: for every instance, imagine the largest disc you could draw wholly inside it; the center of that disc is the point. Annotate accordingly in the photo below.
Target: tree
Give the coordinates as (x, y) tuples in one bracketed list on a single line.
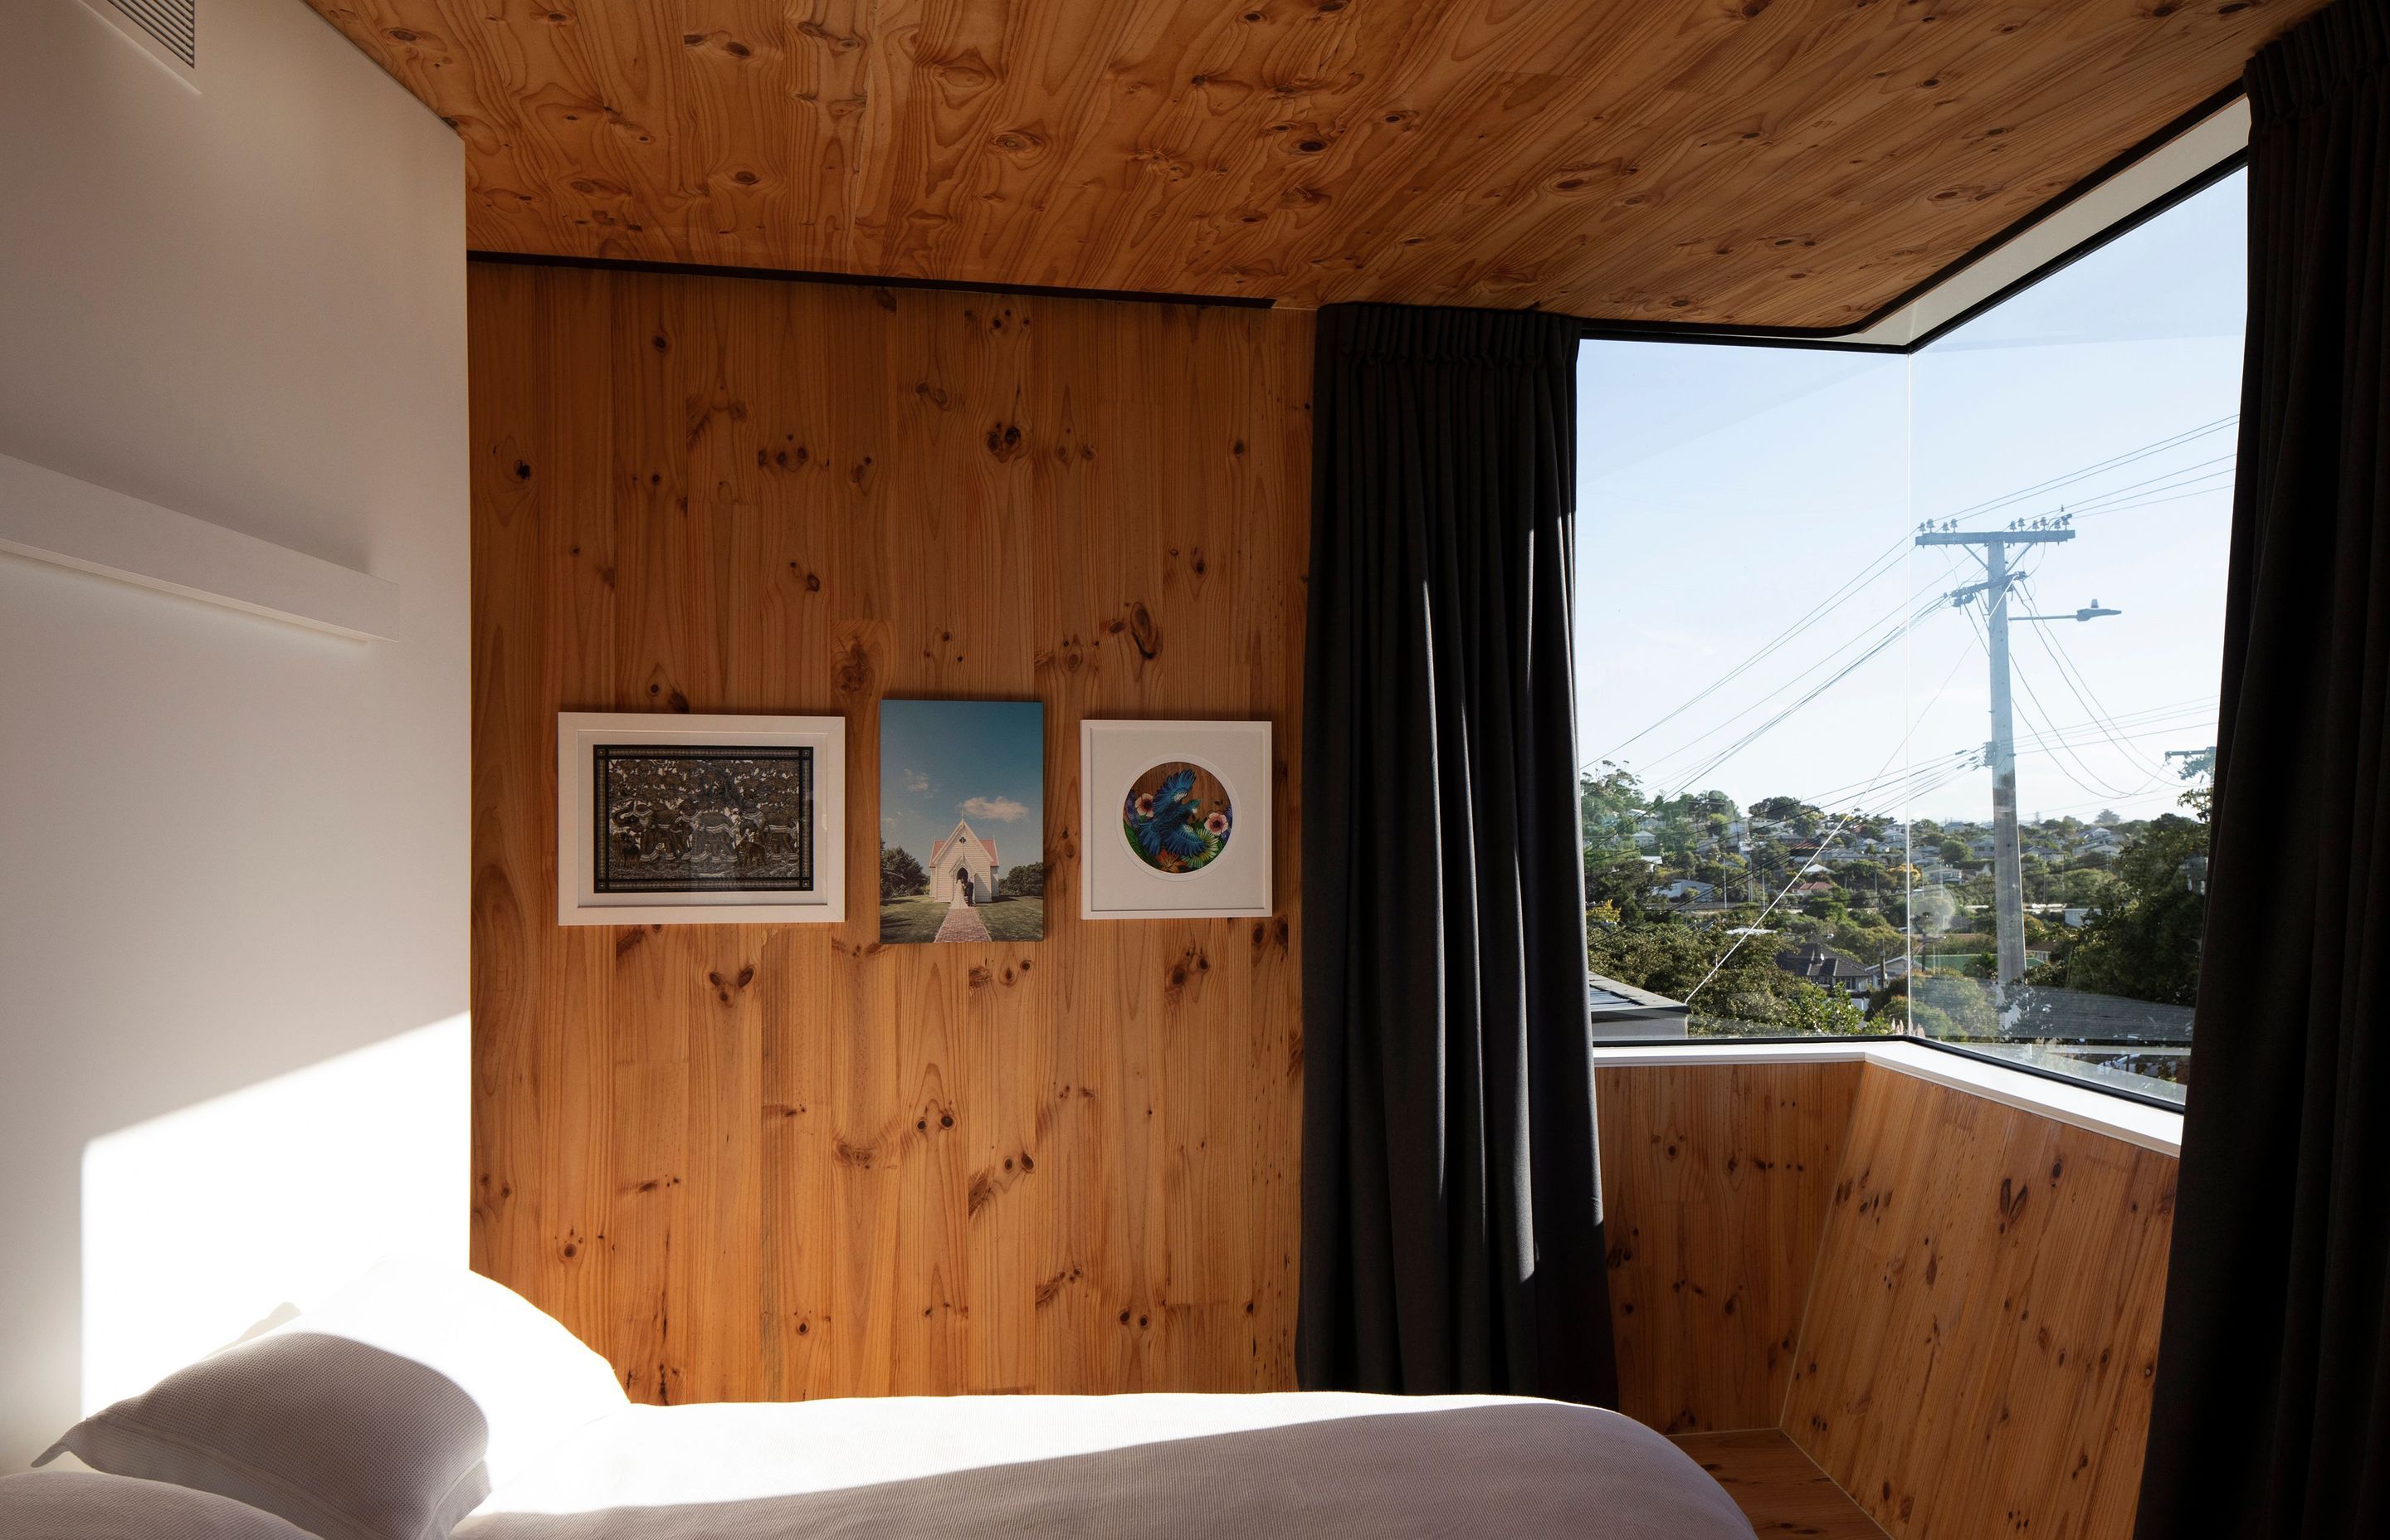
[(1812, 1010), (900, 875), (1026, 881), (1787, 810), (2142, 939), (1952, 851)]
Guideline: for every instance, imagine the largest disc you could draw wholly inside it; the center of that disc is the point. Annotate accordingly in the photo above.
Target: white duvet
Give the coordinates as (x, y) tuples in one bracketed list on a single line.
[(1141, 1467)]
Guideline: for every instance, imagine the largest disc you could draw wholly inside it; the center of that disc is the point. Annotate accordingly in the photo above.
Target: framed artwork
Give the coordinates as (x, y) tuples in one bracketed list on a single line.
[(1178, 819), (962, 821), (700, 820)]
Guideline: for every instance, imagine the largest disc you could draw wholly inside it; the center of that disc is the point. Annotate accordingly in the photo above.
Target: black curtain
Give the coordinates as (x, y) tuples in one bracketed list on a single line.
[(1451, 1199), (2273, 1378)]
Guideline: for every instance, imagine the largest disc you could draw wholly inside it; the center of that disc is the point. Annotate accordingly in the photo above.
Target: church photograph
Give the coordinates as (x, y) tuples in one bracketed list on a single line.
[(962, 819)]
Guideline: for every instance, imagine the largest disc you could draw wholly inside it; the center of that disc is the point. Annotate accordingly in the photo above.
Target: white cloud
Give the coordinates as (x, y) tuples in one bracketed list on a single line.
[(1004, 810), (914, 781)]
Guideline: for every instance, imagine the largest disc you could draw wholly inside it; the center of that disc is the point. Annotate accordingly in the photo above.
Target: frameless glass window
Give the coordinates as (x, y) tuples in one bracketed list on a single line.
[(2072, 459), (1898, 676), (1743, 526)]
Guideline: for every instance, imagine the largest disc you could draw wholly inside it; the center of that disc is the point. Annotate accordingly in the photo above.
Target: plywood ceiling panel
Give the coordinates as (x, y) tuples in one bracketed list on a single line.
[(1798, 163)]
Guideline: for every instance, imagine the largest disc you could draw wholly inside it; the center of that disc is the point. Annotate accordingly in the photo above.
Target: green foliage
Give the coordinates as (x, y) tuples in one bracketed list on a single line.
[(1026, 881), (1748, 993), (900, 875), (2142, 939), (1810, 1010), (1943, 1004)]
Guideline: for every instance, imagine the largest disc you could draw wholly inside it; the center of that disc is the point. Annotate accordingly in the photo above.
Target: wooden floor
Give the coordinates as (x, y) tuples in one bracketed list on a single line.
[(1780, 1489)]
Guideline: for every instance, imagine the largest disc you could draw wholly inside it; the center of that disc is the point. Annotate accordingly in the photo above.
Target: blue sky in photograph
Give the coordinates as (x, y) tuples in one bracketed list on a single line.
[(1728, 496), (983, 760)]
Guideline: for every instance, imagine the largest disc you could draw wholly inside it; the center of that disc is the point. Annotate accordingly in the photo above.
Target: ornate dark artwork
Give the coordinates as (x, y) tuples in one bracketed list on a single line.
[(700, 820)]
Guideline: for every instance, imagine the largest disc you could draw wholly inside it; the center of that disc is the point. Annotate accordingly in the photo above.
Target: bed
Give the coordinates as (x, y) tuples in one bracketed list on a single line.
[(426, 1403)]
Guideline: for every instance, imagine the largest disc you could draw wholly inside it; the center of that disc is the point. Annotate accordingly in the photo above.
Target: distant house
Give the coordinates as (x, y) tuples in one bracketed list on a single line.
[(1827, 968), (1684, 888), (1645, 838), (1815, 890)]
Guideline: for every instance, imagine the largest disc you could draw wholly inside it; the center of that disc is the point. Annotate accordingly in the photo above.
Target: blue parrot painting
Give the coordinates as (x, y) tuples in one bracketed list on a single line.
[(1169, 826)]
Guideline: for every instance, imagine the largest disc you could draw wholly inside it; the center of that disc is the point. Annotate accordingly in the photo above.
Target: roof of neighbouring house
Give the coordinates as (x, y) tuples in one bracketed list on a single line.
[(1610, 994)]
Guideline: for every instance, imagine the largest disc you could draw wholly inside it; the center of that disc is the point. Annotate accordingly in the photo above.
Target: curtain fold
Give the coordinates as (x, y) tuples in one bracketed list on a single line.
[(2272, 1413), (1451, 1194)]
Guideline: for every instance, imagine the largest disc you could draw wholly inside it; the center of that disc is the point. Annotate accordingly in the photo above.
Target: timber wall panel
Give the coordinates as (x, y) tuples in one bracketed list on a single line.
[(1715, 1180), (780, 1161), (1980, 1347)]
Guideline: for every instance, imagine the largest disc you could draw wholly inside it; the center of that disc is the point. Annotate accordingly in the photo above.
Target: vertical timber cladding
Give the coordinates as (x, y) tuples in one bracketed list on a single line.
[(1950, 1303), (1982, 1340), (757, 1161)]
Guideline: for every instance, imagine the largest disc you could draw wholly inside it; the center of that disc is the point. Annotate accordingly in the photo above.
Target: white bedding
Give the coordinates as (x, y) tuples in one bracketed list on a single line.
[(1138, 1467)]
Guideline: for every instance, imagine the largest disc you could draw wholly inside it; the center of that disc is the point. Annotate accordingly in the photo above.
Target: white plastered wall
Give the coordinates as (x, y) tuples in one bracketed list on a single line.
[(233, 852)]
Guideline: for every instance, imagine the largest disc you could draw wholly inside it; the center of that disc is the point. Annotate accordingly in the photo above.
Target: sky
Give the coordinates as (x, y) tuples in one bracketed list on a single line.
[(1727, 496), (941, 761)]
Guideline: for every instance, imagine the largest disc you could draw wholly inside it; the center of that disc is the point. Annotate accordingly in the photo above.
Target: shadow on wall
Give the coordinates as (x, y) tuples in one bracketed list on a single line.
[(197, 1224)]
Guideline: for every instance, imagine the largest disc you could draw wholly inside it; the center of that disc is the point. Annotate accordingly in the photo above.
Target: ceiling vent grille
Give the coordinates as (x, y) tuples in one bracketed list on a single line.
[(172, 24)]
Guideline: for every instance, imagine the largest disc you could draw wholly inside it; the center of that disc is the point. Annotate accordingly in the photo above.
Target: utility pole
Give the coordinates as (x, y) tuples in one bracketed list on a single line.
[(2008, 876)]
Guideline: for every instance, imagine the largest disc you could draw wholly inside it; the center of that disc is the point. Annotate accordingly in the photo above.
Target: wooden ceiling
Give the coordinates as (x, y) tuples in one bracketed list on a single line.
[(1794, 163)]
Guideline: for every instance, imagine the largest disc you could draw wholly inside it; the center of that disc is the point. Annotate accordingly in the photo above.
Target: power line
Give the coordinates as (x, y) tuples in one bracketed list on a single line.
[(2153, 488), (2070, 478), (1875, 570), (2071, 675), (2198, 470), (2031, 727), (1897, 628)]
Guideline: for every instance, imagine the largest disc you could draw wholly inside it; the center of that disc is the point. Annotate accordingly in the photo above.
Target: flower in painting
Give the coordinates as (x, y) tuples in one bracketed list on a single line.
[(1217, 825), (1145, 805)]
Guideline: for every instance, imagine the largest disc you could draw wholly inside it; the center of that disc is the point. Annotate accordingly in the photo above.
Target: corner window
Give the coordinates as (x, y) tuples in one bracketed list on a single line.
[(1897, 674)]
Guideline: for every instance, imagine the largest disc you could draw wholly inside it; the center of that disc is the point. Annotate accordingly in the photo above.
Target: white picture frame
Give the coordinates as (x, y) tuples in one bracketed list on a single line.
[(1115, 881), (584, 897)]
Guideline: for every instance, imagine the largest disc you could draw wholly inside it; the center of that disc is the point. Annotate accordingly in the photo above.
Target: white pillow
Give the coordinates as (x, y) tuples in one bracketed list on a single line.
[(533, 1380), (386, 1415)]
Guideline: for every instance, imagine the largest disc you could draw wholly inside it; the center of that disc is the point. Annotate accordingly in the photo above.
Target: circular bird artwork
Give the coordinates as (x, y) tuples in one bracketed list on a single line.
[(1177, 817)]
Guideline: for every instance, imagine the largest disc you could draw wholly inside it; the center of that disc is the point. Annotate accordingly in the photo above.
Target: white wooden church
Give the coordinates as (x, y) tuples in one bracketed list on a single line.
[(962, 868)]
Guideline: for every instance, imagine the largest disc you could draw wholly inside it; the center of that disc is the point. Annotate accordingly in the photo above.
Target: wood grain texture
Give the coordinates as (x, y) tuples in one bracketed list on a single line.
[(1780, 1489), (1796, 164), (1980, 1343), (1715, 1180), (780, 1161)]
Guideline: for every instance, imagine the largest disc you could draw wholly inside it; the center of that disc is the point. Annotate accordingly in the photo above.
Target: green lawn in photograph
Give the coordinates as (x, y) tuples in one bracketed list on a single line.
[(911, 919), (1015, 918), (904, 920)]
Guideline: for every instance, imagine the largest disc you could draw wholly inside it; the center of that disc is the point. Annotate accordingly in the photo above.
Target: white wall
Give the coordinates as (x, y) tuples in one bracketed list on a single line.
[(231, 851)]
